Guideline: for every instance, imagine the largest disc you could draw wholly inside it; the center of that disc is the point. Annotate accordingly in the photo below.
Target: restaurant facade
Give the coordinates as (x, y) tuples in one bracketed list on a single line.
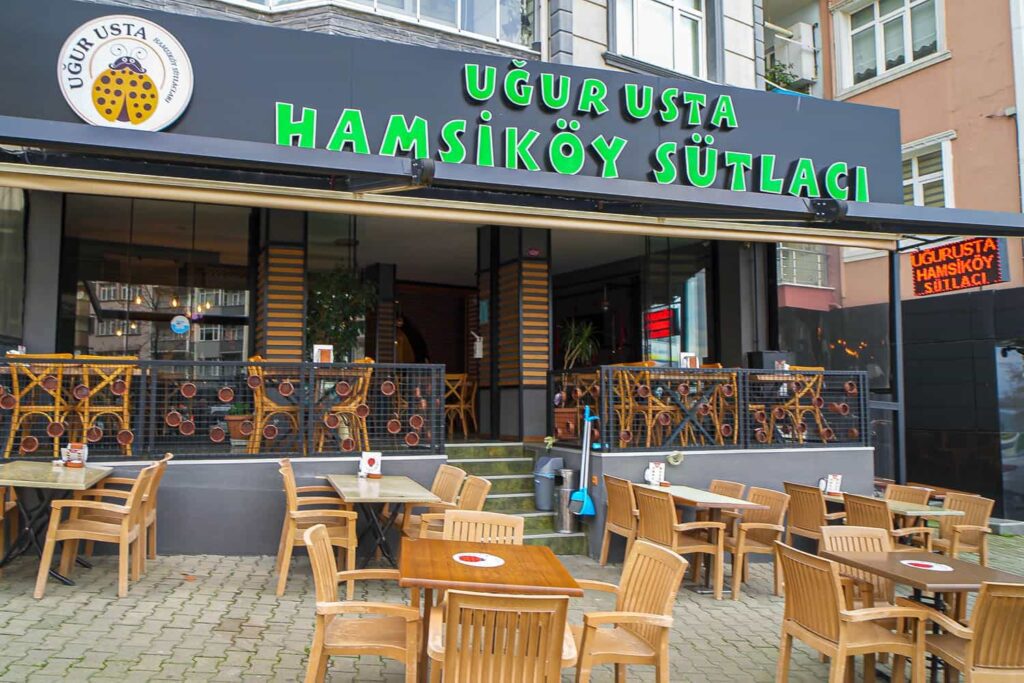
[(190, 205)]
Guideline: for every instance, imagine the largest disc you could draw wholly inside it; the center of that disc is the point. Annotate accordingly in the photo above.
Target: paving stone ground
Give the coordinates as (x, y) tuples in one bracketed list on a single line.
[(216, 618)]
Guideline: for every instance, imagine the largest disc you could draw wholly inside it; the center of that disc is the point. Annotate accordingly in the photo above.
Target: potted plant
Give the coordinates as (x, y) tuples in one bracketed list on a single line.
[(337, 304), (238, 415), (579, 342)]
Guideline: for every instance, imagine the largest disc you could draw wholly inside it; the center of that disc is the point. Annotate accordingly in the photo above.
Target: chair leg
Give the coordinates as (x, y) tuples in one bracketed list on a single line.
[(604, 546), (620, 673), (435, 672), (869, 668), (47, 558), (316, 656), (151, 541), (719, 578), (583, 666), (776, 576), (737, 574), (785, 652), (661, 670), (68, 553), (142, 543), (899, 666), (286, 560), (280, 544), (88, 548), (122, 568), (837, 669), (350, 565)]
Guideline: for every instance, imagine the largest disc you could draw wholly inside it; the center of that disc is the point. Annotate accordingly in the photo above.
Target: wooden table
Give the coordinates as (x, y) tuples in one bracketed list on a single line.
[(714, 503), (898, 507), (427, 564), (43, 482), (965, 577), (371, 495)]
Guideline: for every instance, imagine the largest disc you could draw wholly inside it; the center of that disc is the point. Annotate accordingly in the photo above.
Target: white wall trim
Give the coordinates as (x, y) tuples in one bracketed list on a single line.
[(892, 74), (912, 148)]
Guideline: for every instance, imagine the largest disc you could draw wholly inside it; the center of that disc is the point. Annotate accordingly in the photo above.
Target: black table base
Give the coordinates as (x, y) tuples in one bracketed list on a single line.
[(379, 530)]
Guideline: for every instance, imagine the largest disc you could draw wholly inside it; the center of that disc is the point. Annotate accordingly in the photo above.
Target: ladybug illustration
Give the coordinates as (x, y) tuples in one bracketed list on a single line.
[(124, 91)]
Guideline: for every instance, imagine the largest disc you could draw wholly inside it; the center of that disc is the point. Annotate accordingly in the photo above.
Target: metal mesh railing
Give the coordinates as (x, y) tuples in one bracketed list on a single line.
[(658, 408), (122, 407)]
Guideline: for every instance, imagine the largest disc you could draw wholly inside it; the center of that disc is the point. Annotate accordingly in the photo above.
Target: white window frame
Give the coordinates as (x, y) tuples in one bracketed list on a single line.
[(842, 14), (678, 7), (819, 251), (214, 332), (912, 150), (374, 7)]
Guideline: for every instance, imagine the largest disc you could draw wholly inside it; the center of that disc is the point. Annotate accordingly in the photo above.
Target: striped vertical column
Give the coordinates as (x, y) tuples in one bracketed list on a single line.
[(281, 305)]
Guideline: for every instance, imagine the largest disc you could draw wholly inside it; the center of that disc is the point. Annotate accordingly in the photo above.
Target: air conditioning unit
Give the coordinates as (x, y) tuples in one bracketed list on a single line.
[(798, 51)]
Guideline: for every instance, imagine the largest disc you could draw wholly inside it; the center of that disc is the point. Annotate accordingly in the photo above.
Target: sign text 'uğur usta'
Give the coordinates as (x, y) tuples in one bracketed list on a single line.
[(696, 157), (962, 265)]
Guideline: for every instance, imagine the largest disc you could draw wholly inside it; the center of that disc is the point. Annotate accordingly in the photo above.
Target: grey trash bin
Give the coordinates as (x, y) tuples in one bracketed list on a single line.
[(544, 482), (565, 521)]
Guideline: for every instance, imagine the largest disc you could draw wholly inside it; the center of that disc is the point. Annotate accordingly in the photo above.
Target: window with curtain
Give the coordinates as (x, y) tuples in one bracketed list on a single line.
[(925, 177), (886, 34), (12, 264), (665, 33)]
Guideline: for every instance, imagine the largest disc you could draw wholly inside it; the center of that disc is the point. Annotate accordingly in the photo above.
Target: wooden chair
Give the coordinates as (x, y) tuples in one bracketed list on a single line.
[(126, 529), (456, 401), (908, 494), (105, 393), (472, 386), (483, 527), (807, 512), (330, 512), (817, 614), (723, 487), (485, 638), (755, 533), (874, 512), (620, 518), (265, 408), (8, 517), (446, 485), (351, 410), (991, 646), (106, 489), (967, 534), (390, 630), (634, 396), (37, 392), (659, 524), (472, 498), (869, 589), (642, 617)]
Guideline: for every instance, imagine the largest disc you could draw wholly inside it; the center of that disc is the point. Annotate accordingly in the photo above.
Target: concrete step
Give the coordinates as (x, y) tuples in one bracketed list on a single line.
[(509, 502), (560, 544), (538, 522), (487, 467), (474, 451), (511, 483)]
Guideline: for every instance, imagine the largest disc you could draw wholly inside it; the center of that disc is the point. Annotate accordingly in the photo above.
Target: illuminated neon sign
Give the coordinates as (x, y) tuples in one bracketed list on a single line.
[(961, 265)]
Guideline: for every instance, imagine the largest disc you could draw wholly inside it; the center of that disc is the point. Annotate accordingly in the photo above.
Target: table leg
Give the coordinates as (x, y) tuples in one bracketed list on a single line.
[(424, 662), (940, 605), (703, 587), (34, 520), (379, 533)]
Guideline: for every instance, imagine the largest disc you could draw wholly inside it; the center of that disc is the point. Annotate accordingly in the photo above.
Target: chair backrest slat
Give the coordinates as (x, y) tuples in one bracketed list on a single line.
[(813, 593), (621, 502), (657, 515), (806, 506), (977, 511), (908, 494), (503, 638), (867, 511), (860, 539), (998, 624), (650, 581), (482, 527)]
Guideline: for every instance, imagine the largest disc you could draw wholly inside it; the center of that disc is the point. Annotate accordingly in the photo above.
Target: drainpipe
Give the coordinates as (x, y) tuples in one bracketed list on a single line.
[(1017, 33)]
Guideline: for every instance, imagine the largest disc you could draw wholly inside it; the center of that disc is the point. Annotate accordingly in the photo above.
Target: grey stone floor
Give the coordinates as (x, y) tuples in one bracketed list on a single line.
[(216, 618)]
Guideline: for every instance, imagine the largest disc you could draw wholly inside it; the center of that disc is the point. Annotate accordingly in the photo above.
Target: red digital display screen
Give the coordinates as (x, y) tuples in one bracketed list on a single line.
[(961, 265), (658, 324)]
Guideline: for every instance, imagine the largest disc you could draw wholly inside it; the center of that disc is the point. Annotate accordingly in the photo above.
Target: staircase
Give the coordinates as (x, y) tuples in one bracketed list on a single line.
[(509, 468)]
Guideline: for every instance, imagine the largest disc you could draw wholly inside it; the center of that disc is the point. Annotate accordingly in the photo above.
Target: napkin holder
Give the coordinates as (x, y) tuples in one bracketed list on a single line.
[(369, 465)]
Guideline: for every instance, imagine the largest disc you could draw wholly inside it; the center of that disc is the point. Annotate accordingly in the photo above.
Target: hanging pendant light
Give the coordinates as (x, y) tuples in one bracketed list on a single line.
[(174, 302)]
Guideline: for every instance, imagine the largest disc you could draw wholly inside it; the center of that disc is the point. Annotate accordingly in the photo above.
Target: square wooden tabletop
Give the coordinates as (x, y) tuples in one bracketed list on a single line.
[(43, 475), (964, 577), (388, 489), (688, 495), (899, 507), (528, 569)]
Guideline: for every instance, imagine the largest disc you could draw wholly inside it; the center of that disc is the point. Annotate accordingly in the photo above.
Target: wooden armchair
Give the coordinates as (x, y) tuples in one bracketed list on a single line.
[(659, 524), (807, 512), (868, 589), (642, 617), (107, 489), (756, 532), (483, 527), (391, 631), (817, 614), (125, 526), (967, 534), (991, 646), (37, 391), (723, 487), (486, 638), (874, 512), (456, 401), (8, 516), (105, 393), (472, 499), (620, 518), (265, 408), (330, 512), (908, 494), (447, 483), (351, 410)]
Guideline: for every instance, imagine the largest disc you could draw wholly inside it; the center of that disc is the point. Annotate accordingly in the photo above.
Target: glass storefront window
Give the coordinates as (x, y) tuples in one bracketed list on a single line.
[(130, 266), (1010, 380), (676, 311), (839, 318), (12, 264)]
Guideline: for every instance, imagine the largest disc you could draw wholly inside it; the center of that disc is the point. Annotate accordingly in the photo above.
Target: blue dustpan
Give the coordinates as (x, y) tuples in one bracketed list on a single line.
[(580, 502)]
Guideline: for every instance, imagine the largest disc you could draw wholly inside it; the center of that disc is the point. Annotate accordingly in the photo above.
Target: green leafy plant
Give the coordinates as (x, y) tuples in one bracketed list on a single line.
[(579, 342), (240, 409), (780, 75), (336, 309), (549, 442)]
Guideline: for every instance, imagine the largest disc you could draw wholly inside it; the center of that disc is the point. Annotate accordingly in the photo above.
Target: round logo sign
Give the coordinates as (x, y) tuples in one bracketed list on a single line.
[(180, 324), (125, 72)]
